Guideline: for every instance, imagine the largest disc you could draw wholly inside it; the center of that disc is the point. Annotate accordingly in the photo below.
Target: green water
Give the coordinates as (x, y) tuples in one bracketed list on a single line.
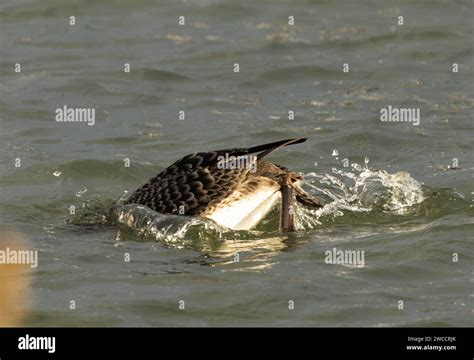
[(409, 208)]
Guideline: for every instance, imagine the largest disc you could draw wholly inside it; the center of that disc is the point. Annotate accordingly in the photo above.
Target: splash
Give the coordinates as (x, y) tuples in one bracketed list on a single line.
[(171, 229), (349, 191), (361, 189)]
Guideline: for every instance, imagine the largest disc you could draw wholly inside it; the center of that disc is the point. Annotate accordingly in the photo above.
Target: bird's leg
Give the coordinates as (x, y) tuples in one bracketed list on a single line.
[(287, 210)]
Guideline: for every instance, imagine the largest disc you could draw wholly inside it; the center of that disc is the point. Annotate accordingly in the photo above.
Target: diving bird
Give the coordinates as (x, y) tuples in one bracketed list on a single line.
[(236, 188)]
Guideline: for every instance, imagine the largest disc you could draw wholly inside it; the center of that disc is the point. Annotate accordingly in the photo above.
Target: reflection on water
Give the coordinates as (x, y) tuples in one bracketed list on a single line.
[(251, 255)]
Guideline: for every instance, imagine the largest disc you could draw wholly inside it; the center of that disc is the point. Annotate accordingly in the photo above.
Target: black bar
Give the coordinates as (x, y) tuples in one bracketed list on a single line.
[(322, 343)]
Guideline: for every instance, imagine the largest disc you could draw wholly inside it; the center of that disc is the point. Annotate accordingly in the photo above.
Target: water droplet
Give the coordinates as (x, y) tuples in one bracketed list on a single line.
[(57, 173), (366, 160), (81, 192), (335, 152), (315, 163)]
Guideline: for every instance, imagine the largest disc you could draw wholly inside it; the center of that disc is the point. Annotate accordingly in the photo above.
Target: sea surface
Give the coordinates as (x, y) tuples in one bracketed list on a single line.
[(402, 193)]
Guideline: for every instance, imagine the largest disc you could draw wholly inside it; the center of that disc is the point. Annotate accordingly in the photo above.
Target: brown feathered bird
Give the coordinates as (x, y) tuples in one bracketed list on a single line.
[(236, 188)]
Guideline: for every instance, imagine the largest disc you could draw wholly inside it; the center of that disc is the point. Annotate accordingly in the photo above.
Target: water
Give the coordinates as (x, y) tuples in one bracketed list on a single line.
[(399, 192)]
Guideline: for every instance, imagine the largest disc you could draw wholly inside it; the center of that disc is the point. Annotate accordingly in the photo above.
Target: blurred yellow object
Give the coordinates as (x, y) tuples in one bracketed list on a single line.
[(14, 280)]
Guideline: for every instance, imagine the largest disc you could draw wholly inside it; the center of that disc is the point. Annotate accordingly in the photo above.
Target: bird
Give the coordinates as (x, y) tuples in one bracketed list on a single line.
[(236, 188)]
